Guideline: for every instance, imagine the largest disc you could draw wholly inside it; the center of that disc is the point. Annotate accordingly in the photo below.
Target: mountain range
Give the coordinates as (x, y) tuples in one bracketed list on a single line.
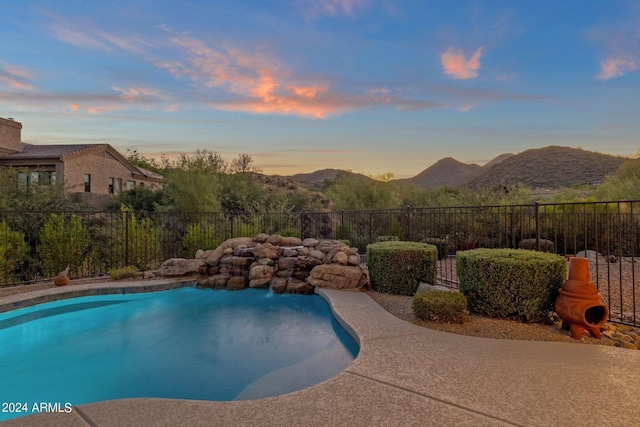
[(549, 167)]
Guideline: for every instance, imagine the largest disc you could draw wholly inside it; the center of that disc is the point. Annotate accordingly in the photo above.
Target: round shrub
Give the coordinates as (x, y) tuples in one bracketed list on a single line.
[(399, 267), (514, 283), (440, 306)]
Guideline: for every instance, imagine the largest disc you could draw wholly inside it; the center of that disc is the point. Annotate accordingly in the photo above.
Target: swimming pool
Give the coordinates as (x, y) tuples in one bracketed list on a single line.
[(186, 344)]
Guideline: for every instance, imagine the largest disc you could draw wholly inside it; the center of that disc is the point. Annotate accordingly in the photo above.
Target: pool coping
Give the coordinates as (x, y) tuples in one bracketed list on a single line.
[(27, 299), (403, 375)]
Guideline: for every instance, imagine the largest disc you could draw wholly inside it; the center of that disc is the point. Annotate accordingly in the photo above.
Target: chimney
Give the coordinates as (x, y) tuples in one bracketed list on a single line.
[(10, 136)]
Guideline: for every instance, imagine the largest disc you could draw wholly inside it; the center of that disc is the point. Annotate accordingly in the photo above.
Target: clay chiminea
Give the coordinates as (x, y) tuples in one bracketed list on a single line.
[(579, 304)]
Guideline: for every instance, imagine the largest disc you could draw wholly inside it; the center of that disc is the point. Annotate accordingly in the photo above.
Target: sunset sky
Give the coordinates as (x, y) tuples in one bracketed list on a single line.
[(373, 86)]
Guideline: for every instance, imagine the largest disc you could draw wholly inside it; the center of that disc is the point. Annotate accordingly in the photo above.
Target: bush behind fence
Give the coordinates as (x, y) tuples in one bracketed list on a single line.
[(34, 246)]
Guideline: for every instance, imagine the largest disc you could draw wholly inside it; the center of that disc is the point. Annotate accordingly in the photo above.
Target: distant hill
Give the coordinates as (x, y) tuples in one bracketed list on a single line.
[(495, 161), (445, 172), (314, 179), (549, 167)]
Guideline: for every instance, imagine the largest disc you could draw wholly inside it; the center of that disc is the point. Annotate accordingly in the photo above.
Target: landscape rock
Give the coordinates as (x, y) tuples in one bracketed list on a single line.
[(289, 252), (266, 250), (278, 285), (284, 264), (291, 241), (236, 283), (260, 238), (592, 256), (261, 272), (317, 254), (353, 260), (340, 258), (310, 243), (337, 276), (531, 244), (295, 286), (175, 267)]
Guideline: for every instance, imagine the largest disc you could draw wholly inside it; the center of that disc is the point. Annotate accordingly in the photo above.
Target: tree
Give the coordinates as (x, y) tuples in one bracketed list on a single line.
[(243, 164), (622, 185), (140, 199), (351, 191), (139, 159), (135, 243), (13, 249), (63, 241)]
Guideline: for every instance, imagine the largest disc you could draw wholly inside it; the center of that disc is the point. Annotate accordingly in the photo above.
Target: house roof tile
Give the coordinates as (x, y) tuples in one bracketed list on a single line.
[(31, 151)]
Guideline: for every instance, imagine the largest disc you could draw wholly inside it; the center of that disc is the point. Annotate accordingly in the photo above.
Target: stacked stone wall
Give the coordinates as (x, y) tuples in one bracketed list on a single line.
[(283, 264)]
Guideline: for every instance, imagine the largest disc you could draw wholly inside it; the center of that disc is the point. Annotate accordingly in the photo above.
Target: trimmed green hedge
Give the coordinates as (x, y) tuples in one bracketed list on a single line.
[(440, 306), (514, 283), (399, 267)]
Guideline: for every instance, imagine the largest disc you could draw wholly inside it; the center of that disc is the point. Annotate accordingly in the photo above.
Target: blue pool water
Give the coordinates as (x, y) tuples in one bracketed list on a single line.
[(186, 343)]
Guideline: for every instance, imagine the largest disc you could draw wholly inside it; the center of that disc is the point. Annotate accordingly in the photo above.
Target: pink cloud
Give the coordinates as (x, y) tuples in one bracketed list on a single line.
[(455, 64), (616, 67), (16, 78), (256, 82), (229, 78)]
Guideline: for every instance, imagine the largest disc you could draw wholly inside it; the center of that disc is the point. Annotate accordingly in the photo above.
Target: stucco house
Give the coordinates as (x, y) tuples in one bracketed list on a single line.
[(98, 171)]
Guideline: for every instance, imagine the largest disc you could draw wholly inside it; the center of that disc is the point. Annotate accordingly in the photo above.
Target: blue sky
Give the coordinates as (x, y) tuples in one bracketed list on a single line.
[(371, 86)]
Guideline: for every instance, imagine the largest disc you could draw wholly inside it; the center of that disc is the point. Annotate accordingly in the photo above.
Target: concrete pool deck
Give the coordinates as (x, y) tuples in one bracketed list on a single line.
[(403, 375)]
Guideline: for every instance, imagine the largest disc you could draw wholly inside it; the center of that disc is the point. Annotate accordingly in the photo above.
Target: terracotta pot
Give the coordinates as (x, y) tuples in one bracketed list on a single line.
[(579, 304), (61, 281)]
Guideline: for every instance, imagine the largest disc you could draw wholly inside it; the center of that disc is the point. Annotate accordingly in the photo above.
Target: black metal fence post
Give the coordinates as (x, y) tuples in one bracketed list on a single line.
[(127, 224), (409, 234), (537, 219)]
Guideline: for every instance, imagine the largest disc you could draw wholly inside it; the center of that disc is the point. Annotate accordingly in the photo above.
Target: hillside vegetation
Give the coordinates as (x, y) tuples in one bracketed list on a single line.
[(550, 167)]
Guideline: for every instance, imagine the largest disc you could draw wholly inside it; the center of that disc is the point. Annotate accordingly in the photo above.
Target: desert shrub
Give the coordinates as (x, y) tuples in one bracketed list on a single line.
[(440, 306), (13, 249), (128, 272), (545, 245), (64, 241), (199, 236), (514, 283), (441, 244), (388, 238), (135, 243), (399, 267)]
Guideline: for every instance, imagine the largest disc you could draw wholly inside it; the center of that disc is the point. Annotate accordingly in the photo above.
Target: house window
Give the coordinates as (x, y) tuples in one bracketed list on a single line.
[(47, 178), (23, 178), (37, 177), (118, 185), (111, 185), (87, 183), (130, 185)]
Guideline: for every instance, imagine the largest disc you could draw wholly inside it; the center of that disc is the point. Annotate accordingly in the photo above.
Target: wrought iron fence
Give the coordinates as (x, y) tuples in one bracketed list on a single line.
[(34, 246)]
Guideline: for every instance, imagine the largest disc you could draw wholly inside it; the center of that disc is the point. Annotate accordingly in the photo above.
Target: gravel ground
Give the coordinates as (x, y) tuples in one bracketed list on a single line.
[(400, 306)]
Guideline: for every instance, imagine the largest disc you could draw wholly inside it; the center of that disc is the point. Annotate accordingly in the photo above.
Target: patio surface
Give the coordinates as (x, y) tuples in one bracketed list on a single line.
[(403, 375)]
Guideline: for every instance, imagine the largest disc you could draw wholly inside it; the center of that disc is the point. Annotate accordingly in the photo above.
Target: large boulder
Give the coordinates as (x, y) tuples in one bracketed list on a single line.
[(175, 267), (337, 276), (260, 276), (266, 250)]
